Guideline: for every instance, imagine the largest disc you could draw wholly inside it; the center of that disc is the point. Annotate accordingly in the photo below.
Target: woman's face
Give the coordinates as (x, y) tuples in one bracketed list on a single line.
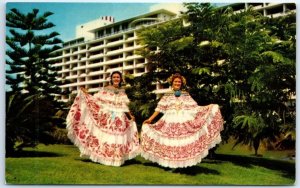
[(116, 79), (176, 85)]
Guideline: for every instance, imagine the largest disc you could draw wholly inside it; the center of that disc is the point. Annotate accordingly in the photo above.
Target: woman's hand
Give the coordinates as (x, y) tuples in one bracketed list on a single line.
[(147, 121), (83, 89), (132, 118)]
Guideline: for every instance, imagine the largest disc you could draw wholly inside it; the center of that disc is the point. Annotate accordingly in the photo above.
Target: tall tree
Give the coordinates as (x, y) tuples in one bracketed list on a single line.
[(29, 51), (190, 47), (165, 49), (31, 107), (233, 59), (262, 66)]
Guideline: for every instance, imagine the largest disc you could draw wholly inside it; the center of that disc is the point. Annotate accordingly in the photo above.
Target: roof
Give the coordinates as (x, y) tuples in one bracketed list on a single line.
[(134, 18)]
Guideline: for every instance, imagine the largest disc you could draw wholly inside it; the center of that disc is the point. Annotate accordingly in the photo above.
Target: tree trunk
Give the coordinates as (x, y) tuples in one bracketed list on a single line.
[(256, 143)]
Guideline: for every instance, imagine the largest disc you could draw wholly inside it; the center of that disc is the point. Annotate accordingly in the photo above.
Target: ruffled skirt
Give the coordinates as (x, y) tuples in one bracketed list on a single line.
[(106, 137), (178, 141)]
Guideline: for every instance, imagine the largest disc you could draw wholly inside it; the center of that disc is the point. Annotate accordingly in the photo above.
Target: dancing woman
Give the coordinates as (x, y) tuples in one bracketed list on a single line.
[(185, 132), (99, 125)]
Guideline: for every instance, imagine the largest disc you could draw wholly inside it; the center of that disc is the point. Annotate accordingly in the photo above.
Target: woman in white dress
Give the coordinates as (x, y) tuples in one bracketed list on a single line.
[(185, 132), (98, 125)]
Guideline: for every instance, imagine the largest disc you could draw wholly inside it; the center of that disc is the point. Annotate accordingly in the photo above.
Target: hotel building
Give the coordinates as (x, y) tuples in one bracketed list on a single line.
[(103, 46), (266, 9)]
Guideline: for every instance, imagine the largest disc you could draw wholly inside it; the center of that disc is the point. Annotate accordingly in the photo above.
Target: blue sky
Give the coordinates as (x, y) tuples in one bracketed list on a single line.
[(67, 15)]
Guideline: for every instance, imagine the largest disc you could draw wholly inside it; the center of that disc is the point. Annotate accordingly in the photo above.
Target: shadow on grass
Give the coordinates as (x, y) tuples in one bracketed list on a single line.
[(127, 163), (25, 154), (131, 162), (86, 160), (286, 168), (192, 171)]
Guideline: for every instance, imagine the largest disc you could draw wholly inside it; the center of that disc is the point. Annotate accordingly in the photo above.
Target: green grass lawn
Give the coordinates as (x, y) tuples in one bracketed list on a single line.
[(61, 164)]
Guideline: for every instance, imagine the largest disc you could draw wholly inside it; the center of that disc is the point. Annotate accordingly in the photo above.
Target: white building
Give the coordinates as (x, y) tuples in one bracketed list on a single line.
[(266, 9), (103, 46)]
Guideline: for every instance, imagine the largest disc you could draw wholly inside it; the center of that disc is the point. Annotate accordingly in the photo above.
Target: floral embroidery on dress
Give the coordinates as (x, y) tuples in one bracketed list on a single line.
[(98, 126), (184, 134)]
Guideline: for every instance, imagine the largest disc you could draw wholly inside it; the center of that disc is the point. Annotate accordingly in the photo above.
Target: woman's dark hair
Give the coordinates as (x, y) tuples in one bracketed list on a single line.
[(121, 78)]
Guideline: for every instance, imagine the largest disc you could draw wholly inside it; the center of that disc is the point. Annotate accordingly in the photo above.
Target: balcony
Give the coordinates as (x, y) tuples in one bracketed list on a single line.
[(128, 67), (92, 57), (71, 85), (71, 61), (117, 60), (132, 57), (58, 64), (115, 52), (94, 81), (55, 58), (95, 48), (63, 71), (115, 33), (82, 75), (96, 73), (71, 77), (114, 69), (80, 67), (79, 52), (257, 7), (115, 43), (128, 49), (139, 65), (130, 39)]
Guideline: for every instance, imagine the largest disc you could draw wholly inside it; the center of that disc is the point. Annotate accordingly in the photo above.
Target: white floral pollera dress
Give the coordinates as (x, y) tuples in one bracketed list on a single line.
[(184, 134)]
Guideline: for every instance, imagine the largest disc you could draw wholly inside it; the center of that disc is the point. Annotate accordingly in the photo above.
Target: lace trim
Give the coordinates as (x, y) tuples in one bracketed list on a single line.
[(100, 144), (179, 163), (182, 149)]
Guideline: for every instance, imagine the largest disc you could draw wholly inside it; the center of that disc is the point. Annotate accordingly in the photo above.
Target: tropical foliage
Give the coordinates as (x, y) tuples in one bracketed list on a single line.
[(243, 61)]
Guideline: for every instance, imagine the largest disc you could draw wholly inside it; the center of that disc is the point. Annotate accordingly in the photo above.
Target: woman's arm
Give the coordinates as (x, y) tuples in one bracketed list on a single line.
[(130, 115), (149, 120)]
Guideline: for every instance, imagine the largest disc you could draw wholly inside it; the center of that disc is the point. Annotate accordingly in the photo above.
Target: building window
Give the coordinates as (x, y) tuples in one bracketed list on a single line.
[(290, 6), (275, 10), (124, 26)]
